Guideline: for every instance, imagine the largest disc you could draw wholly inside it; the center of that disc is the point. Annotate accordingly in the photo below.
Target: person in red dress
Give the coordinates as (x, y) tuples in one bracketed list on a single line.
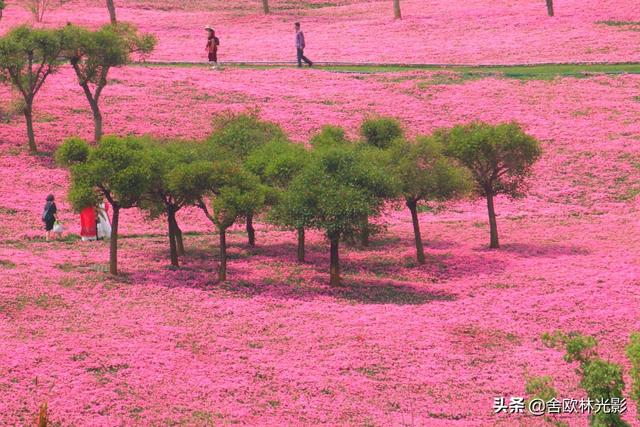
[(212, 47), (88, 229)]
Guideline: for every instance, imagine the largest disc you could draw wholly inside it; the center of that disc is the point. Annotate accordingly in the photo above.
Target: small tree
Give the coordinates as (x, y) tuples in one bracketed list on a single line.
[(265, 6), (112, 12), (500, 158), (38, 8), (426, 175), (277, 163), (116, 169), (162, 197), (233, 192), (335, 190), (550, 7), (378, 135), (396, 9), (27, 57), (240, 134), (2, 6), (93, 53)]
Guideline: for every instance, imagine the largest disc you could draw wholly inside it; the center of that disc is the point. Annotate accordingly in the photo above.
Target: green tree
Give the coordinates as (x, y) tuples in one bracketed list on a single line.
[(2, 6), (240, 134), (277, 163), (378, 135), (499, 157), (232, 191), (27, 57), (116, 169), (334, 191), (92, 54), (426, 175), (162, 197)]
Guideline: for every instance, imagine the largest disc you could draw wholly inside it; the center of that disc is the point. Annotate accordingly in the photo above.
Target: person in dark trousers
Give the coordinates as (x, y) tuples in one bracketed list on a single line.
[(300, 46), (212, 47), (49, 215)]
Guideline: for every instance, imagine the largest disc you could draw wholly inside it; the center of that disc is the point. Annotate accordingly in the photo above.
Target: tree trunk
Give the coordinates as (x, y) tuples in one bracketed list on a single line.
[(173, 250), (28, 117), (396, 9), (222, 269), (413, 207), (251, 232), (334, 270), (492, 222), (112, 11), (179, 241), (97, 115), (113, 248), (365, 231), (301, 244), (265, 6), (550, 7)]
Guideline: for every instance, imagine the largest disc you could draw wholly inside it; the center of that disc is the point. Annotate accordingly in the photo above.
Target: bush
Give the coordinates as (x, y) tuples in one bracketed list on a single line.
[(601, 380), (74, 150), (381, 132)]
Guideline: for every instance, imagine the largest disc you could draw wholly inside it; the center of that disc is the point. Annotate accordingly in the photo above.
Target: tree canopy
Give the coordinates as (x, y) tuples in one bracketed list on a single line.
[(499, 158), (27, 57)]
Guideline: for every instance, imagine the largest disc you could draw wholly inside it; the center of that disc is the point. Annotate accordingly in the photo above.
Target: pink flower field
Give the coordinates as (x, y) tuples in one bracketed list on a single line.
[(432, 31), (398, 343)]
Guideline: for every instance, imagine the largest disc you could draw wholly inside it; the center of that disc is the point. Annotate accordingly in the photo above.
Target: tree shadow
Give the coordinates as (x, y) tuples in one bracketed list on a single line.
[(543, 250)]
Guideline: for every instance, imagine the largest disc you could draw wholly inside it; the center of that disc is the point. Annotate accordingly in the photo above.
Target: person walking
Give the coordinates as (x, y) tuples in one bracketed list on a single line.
[(212, 47), (300, 45), (49, 215)]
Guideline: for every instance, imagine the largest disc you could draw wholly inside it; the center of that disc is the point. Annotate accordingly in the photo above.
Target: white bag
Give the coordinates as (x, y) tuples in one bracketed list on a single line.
[(57, 227), (103, 227)]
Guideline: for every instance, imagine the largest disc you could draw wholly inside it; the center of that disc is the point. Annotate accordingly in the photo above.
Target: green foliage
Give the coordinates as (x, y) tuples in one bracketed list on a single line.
[(240, 194), (335, 190), (162, 158), (579, 348), (499, 157), (93, 53), (116, 169), (73, 150), (277, 162), (633, 353), (602, 380), (242, 133), (329, 135), (540, 388), (381, 132), (28, 56), (2, 6), (425, 173)]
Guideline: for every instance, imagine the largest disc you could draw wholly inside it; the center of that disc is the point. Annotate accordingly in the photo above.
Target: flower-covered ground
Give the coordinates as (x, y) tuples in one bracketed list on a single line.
[(398, 344), (432, 31)]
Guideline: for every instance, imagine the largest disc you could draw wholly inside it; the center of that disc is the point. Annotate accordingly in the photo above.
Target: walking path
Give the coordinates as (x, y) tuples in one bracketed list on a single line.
[(520, 70)]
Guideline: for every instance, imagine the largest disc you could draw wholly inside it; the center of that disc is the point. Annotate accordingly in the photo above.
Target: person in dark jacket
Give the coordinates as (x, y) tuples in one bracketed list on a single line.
[(212, 47), (49, 215), (300, 45)]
